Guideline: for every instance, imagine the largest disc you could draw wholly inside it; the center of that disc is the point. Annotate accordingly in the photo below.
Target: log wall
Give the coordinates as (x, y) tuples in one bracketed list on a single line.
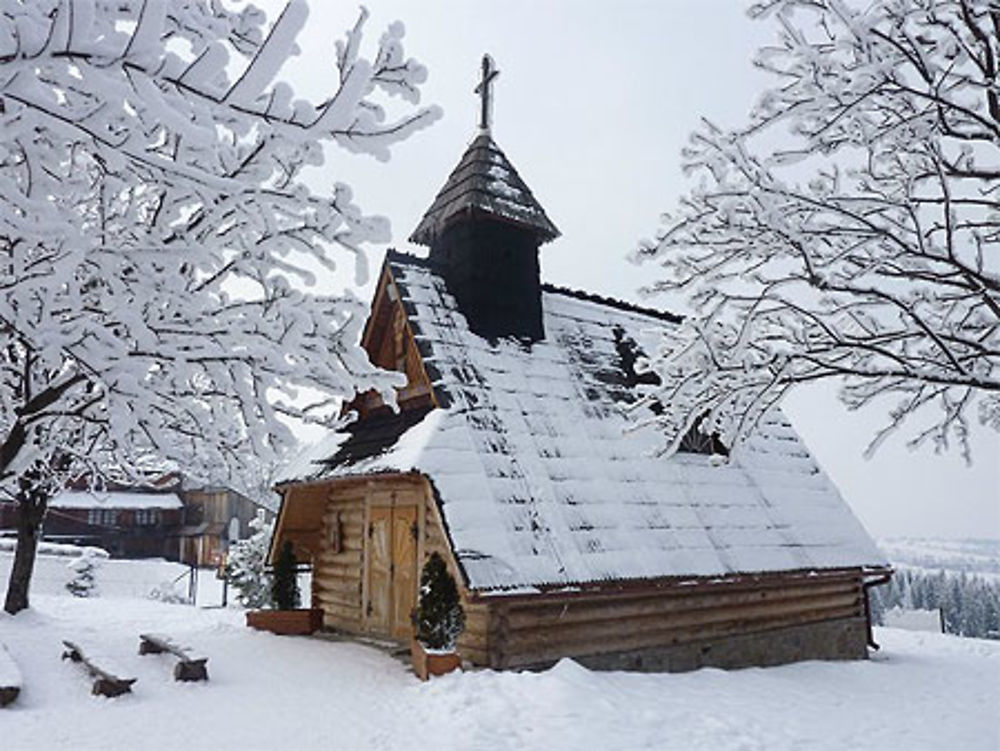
[(665, 628), (339, 577), (527, 633)]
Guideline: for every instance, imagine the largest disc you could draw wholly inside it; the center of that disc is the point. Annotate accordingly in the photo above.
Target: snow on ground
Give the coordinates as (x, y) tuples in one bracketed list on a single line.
[(914, 619), (10, 673), (922, 691), (115, 577)]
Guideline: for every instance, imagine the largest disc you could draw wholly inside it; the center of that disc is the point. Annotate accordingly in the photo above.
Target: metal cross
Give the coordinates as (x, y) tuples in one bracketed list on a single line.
[(483, 89)]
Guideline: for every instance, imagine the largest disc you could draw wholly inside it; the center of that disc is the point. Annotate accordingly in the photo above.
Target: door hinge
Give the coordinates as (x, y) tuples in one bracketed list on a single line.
[(371, 529), (369, 609), (415, 531), (392, 570)]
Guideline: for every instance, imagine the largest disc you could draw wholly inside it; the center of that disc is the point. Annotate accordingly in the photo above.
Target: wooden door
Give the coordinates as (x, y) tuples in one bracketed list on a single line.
[(392, 570), (404, 569), (379, 609)]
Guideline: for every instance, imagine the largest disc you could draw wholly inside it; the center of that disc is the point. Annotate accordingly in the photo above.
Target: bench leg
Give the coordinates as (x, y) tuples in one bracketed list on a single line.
[(190, 671), (105, 687), (148, 648), (8, 694)]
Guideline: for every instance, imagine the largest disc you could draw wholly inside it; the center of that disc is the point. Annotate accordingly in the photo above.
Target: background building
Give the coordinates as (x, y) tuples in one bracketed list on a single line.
[(193, 525)]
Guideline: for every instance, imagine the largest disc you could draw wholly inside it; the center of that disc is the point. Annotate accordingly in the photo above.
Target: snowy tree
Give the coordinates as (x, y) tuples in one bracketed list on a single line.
[(159, 245), (953, 605), (246, 567), (83, 575), (970, 605), (849, 231)]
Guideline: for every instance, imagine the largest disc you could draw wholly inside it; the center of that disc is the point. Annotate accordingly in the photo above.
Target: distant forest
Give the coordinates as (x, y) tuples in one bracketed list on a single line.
[(970, 604)]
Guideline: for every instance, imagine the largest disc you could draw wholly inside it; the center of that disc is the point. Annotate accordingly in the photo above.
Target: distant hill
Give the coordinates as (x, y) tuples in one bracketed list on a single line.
[(971, 556)]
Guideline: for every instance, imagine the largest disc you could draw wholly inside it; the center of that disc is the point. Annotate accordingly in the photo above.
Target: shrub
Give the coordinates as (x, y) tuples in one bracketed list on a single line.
[(439, 618), (83, 581), (285, 586)]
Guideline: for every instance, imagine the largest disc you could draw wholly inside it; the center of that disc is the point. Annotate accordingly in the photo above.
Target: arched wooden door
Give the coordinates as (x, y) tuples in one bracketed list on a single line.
[(391, 590)]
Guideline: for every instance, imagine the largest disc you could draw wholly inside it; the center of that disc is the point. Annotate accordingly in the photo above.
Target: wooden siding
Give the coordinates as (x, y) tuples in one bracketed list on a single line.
[(300, 521), (345, 577), (388, 339), (519, 631), (337, 580), (341, 581), (525, 632)]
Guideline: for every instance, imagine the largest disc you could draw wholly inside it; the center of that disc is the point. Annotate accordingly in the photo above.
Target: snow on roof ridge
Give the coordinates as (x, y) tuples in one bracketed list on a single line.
[(613, 302), (392, 255)]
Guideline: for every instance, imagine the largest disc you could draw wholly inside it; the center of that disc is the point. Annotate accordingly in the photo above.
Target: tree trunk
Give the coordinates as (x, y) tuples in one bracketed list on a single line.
[(31, 507)]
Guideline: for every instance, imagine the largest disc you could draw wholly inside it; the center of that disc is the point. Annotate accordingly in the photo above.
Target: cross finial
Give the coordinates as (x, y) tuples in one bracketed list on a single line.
[(483, 89)]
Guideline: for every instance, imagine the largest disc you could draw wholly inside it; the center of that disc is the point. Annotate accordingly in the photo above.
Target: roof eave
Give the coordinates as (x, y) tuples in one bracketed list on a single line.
[(430, 229), (677, 584)]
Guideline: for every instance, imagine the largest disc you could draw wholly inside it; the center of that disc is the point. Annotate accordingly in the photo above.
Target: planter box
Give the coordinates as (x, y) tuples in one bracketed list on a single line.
[(286, 622), (426, 664)]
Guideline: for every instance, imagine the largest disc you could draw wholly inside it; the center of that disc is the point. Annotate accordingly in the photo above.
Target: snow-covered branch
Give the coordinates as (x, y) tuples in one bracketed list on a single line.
[(157, 240), (851, 229)]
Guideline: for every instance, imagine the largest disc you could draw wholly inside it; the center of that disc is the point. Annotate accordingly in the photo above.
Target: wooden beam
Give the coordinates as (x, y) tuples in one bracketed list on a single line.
[(523, 615), (611, 629), (542, 652)]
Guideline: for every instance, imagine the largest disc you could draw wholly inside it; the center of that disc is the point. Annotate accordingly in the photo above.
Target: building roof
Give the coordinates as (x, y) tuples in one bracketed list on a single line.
[(541, 482), (115, 499), (484, 184)]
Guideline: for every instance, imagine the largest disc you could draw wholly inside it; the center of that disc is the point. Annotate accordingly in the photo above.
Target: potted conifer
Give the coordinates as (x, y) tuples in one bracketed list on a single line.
[(438, 621), (286, 617)]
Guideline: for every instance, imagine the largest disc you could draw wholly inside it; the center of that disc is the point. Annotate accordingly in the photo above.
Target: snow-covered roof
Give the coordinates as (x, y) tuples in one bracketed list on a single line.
[(484, 182), (114, 499), (541, 483)]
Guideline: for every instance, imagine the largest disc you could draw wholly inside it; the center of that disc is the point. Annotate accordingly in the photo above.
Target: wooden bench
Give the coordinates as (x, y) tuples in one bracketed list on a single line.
[(10, 677), (105, 683), (189, 666)]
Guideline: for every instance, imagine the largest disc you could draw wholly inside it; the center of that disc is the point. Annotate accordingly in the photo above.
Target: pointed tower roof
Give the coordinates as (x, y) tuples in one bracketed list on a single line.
[(485, 184)]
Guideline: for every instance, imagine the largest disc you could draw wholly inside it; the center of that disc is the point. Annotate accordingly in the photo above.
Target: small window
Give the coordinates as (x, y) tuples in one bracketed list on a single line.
[(334, 534), (697, 442)]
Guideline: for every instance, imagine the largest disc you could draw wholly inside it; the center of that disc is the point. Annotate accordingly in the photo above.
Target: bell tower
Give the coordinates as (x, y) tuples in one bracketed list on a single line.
[(484, 230)]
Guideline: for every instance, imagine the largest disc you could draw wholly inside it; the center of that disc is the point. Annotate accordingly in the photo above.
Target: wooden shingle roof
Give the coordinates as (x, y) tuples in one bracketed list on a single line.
[(484, 184)]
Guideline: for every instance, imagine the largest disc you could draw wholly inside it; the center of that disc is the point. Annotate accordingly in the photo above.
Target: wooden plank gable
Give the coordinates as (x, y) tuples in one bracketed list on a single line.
[(390, 342)]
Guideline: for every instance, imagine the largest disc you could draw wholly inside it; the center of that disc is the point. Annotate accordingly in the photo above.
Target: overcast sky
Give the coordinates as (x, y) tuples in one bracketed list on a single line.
[(593, 105)]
